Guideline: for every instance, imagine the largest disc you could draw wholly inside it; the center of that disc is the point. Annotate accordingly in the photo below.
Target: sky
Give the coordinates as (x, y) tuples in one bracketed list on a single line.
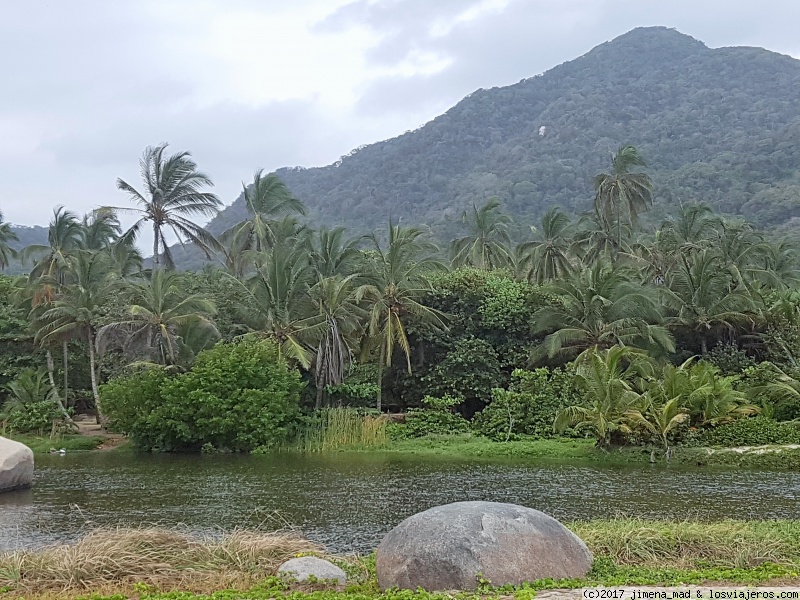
[(87, 85)]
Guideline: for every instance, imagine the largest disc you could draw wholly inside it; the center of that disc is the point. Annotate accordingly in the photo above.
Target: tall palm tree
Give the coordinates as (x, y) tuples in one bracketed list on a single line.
[(394, 294), (6, 237), (600, 306), (547, 257), (266, 199), (73, 312), (173, 194), (609, 380), (64, 237), (159, 310), (621, 195), (486, 245)]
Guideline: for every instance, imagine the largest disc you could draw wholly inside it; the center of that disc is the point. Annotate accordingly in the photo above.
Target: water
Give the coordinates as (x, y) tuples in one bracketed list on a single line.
[(348, 501)]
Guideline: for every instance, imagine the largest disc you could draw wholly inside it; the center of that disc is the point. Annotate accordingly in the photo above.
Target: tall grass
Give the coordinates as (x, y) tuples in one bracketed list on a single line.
[(162, 558), (342, 428), (689, 544)]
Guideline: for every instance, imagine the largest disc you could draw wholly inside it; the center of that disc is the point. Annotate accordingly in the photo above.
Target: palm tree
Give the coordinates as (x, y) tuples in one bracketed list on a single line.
[(336, 327), (621, 194), (276, 300), (73, 312), (29, 389), (332, 253), (658, 419), (173, 193), (159, 311), (6, 237), (599, 306), (547, 257), (393, 294), (265, 199), (702, 297), (486, 246), (710, 397), (64, 237), (608, 380)]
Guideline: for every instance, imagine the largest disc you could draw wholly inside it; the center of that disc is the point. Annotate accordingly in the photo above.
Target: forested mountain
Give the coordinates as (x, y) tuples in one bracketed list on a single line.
[(716, 125), (26, 236)]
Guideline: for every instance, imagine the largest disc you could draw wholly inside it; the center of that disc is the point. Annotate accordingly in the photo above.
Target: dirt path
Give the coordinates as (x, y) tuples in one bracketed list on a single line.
[(87, 425)]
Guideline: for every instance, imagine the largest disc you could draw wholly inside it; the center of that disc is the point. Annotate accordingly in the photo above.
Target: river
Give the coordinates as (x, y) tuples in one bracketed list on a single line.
[(348, 501)]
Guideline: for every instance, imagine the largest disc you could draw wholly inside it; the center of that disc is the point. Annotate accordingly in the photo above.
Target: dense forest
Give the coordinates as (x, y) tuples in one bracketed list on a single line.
[(601, 325)]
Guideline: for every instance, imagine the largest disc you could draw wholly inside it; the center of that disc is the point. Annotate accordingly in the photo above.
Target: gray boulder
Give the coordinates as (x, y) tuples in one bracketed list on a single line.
[(307, 566), (16, 465), (446, 547)]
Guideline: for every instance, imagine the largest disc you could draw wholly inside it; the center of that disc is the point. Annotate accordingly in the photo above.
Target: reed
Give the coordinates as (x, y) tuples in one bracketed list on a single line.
[(342, 428)]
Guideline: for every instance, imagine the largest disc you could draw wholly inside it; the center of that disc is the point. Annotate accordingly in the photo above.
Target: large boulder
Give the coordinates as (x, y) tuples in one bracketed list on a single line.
[(16, 465), (305, 567), (446, 547)]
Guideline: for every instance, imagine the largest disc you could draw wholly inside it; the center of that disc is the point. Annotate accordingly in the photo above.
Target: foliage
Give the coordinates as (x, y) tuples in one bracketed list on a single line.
[(238, 397), (529, 406), (333, 429), (755, 431), (31, 405), (437, 418)]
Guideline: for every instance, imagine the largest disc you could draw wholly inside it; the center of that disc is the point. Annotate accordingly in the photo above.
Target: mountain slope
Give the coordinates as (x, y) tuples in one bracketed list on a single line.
[(716, 125)]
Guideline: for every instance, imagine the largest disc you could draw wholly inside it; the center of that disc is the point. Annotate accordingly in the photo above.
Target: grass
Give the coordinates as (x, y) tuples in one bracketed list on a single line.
[(41, 444), (168, 565), (343, 428)]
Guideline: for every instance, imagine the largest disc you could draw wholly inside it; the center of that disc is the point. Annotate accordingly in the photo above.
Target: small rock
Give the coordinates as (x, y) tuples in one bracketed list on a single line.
[(307, 566), (446, 547), (16, 465)]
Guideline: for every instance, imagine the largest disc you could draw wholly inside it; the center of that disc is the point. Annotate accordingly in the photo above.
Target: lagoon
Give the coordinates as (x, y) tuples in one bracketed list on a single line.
[(348, 501)]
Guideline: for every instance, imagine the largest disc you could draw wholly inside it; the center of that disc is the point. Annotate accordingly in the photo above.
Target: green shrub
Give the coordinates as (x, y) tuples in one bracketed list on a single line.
[(754, 431), (437, 418), (530, 405), (238, 397), (31, 404)]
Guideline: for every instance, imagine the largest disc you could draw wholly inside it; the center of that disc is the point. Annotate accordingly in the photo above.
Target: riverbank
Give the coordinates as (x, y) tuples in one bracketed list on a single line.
[(584, 450), (156, 564)]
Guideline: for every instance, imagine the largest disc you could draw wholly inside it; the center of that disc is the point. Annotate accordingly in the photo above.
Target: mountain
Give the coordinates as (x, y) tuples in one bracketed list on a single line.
[(27, 236), (716, 125)]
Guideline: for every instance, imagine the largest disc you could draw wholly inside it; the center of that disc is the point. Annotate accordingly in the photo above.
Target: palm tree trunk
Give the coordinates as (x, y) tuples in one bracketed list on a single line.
[(93, 373), (380, 381), (65, 356), (703, 345), (51, 377), (155, 246)]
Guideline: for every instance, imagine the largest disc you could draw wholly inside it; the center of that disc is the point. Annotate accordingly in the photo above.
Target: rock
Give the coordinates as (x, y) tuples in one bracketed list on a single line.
[(307, 566), (446, 547), (16, 465)]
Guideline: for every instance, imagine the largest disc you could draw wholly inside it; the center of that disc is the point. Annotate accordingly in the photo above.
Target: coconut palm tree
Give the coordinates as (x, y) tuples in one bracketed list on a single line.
[(658, 419), (621, 195), (73, 312), (394, 292), (266, 199), (336, 328), (332, 253), (703, 297), (600, 306), (173, 193), (158, 313), (710, 397), (547, 257), (6, 237), (276, 302), (608, 380), (486, 245), (64, 237)]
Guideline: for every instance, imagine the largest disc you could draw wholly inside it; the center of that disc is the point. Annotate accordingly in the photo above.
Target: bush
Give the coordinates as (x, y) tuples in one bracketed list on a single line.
[(31, 405), (754, 431), (437, 419), (530, 405), (238, 397)]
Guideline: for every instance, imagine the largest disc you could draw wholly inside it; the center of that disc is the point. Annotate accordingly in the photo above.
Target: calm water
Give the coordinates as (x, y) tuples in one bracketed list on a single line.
[(349, 501)]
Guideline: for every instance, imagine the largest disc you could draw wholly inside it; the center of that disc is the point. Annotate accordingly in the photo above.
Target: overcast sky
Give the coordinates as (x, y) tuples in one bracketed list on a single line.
[(243, 84)]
